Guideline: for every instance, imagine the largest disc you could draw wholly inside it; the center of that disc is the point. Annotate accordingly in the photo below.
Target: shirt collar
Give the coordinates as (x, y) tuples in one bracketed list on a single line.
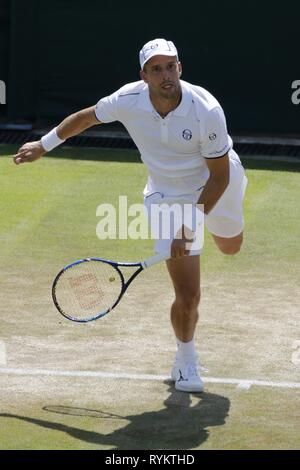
[(181, 110), (144, 99)]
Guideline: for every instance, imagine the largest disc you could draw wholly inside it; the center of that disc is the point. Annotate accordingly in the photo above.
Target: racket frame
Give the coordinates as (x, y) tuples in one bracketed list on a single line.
[(115, 265), (125, 284)]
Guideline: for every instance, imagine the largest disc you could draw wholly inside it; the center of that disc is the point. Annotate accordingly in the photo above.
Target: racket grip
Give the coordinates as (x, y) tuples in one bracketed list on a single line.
[(155, 259)]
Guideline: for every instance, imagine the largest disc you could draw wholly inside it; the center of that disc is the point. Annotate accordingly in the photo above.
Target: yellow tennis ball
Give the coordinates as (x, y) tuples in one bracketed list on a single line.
[(112, 279)]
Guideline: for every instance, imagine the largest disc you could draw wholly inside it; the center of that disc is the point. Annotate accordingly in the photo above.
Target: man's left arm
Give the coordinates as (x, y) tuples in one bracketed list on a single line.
[(217, 182), (213, 147), (213, 190)]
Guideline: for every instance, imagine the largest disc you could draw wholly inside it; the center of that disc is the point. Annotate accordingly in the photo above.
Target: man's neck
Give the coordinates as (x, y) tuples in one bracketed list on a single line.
[(164, 106)]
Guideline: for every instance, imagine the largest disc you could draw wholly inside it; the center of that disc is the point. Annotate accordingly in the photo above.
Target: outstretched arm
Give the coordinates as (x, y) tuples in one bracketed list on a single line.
[(69, 127)]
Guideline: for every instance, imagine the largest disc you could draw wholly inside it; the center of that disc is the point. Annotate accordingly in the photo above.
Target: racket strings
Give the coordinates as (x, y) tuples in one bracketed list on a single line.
[(87, 289)]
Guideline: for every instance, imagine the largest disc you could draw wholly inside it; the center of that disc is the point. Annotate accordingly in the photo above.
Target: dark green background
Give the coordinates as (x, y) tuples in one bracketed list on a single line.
[(60, 56)]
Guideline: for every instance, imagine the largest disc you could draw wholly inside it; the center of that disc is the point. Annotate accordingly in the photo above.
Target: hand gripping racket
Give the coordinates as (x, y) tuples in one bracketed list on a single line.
[(90, 288)]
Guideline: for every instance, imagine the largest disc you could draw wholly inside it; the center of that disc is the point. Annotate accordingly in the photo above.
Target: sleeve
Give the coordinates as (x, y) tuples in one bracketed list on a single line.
[(216, 142), (106, 110)]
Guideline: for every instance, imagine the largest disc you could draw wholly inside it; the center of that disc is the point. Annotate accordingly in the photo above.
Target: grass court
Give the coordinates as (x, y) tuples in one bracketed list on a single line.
[(248, 329)]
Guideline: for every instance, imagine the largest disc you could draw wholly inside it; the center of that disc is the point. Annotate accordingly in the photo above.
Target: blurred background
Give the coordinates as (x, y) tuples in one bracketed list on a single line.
[(60, 56)]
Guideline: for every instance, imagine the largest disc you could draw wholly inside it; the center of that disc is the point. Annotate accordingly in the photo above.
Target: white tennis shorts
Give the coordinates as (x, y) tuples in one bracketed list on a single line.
[(224, 220)]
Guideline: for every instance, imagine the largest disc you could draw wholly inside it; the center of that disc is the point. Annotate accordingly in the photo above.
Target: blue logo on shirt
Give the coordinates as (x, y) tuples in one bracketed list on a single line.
[(187, 134)]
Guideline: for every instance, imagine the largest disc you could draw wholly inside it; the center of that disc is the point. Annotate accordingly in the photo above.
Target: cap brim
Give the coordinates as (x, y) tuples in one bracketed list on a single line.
[(167, 53)]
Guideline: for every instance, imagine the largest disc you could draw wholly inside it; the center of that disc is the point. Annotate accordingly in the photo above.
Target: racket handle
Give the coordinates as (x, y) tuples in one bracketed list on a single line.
[(155, 259)]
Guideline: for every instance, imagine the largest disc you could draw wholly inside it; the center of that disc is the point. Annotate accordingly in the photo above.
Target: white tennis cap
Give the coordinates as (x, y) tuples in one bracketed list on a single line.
[(157, 47)]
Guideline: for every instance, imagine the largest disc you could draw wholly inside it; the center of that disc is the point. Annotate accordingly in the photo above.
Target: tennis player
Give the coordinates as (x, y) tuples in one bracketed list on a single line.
[(180, 131)]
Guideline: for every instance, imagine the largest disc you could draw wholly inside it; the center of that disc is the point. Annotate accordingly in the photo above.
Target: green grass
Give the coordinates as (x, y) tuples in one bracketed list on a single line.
[(245, 422), (49, 211), (48, 218), (49, 208)]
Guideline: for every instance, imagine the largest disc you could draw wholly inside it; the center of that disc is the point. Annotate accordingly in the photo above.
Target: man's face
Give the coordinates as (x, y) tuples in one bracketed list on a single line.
[(162, 74)]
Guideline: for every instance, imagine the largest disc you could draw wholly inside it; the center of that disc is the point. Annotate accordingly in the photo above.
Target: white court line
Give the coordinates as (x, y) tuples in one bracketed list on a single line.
[(240, 383)]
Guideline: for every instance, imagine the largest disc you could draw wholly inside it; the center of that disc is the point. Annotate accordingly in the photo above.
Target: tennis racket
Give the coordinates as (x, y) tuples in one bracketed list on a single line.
[(90, 288), (74, 411)]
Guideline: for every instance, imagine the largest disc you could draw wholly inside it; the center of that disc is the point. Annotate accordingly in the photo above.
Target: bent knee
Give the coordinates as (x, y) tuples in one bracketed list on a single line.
[(230, 246), (230, 249)]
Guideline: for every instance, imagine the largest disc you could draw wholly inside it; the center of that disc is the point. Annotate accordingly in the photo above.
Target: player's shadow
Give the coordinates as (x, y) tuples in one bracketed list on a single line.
[(179, 425)]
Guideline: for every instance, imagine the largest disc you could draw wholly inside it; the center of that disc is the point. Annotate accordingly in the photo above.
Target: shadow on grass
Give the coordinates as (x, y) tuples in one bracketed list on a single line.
[(178, 425)]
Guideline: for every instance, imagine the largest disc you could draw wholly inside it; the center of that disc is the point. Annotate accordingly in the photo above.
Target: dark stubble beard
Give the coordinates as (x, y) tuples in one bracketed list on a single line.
[(172, 94)]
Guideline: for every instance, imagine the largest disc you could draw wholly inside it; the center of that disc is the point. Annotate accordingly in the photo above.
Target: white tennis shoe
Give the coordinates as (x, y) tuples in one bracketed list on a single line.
[(186, 377)]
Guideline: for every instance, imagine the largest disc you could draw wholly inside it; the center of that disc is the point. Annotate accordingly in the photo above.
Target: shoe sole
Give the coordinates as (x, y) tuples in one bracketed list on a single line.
[(189, 389)]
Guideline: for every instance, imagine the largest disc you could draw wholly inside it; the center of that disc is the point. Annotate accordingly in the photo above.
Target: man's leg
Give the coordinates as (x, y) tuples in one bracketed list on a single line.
[(229, 246), (185, 275)]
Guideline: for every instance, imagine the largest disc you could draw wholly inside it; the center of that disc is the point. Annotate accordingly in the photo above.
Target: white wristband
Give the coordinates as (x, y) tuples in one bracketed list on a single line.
[(51, 140)]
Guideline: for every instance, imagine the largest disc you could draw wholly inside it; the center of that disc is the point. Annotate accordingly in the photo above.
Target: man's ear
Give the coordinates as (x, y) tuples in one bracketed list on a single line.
[(180, 68), (143, 76)]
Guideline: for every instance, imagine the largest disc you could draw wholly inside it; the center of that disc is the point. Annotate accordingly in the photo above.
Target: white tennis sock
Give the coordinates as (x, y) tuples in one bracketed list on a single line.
[(186, 351)]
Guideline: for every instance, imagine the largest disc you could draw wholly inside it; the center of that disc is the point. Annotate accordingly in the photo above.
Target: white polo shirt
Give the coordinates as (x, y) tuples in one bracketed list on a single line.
[(173, 148)]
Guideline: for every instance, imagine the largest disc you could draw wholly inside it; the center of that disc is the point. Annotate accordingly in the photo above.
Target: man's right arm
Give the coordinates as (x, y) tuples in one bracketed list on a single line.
[(69, 127)]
